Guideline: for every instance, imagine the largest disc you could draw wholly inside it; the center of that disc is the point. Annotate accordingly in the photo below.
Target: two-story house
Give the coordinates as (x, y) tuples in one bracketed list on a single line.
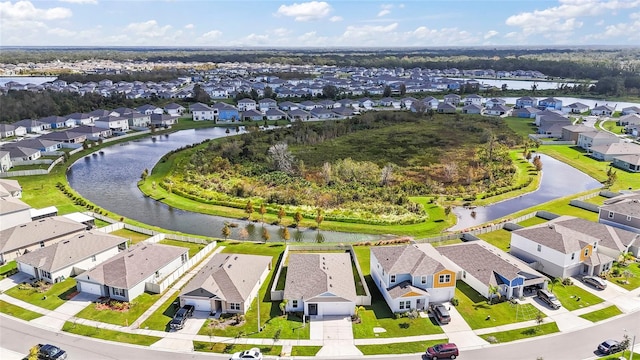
[(622, 211), (200, 112)]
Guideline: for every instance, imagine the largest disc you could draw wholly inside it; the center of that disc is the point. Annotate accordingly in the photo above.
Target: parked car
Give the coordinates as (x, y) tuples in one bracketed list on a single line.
[(441, 313), (181, 317), (609, 347), (595, 281), (50, 352), (549, 298), (442, 351), (253, 353)]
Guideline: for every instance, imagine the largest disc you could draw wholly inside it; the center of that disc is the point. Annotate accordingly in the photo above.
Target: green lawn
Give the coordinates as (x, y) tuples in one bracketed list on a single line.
[(399, 348), (133, 236), (611, 126), (282, 279), (305, 350), (499, 238), (17, 311), (533, 221), (379, 314), (193, 247), (573, 297), (8, 269), (523, 333), (598, 200), (478, 313), (271, 317), (50, 299), (123, 318), (521, 126), (110, 335), (577, 158), (160, 318), (223, 348), (634, 280), (602, 314), (623, 354)]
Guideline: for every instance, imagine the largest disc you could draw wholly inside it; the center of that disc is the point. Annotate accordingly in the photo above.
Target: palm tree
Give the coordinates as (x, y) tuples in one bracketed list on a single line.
[(554, 281), (226, 231), (493, 290)]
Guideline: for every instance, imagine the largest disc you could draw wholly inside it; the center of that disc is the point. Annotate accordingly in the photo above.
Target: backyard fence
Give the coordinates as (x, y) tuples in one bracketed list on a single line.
[(585, 205), (162, 285)]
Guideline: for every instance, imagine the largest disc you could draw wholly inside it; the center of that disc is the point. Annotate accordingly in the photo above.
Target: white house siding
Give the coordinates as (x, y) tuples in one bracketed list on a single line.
[(14, 219), (90, 288), (85, 264), (550, 261), (200, 304), (477, 285)]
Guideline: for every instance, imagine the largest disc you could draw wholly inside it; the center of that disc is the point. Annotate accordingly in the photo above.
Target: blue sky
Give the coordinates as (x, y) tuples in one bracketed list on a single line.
[(422, 23)]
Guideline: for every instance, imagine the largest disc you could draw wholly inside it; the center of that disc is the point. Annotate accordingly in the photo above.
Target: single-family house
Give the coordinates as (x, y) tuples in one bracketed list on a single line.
[(320, 284), (267, 104), (407, 102), (495, 101), (603, 110), (58, 122), (228, 283), (139, 120), (629, 163), (38, 143), (13, 212), (571, 132), (298, 114), (411, 276), (481, 265), (630, 119), (246, 104), (431, 102), (174, 109), (327, 104), (528, 112), (124, 276), (21, 239), (497, 110), (525, 102), (252, 115), (322, 113), (366, 103), (446, 108), (70, 257), (473, 99), (343, 112), (288, 105), (610, 151), (99, 113), (452, 99), (149, 109), (472, 109), (587, 140), (226, 112), (559, 251), (80, 118), (550, 103), (115, 123), (7, 130), (622, 212), (552, 130), (32, 126), (200, 112), (10, 188), (20, 154), (163, 120), (5, 160), (93, 132), (575, 108), (551, 115), (65, 137), (275, 114), (630, 110), (122, 111), (308, 105)]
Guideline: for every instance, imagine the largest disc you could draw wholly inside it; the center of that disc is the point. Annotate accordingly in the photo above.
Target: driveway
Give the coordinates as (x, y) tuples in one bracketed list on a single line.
[(56, 318), (613, 294), (13, 280), (337, 334)]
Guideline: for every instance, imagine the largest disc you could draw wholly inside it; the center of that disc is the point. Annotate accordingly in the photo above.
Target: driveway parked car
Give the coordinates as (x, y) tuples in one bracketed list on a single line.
[(181, 317), (253, 353), (549, 298), (595, 281), (609, 347), (441, 313), (442, 351)]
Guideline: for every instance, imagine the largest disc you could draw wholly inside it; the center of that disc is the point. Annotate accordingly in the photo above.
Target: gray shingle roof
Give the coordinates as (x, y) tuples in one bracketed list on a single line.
[(229, 277), (609, 236), (311, 275), (403, 288), (132, 266), (10, 204), (557, 236), (31, 233), (71, 251), (407, 259), (629, 206)]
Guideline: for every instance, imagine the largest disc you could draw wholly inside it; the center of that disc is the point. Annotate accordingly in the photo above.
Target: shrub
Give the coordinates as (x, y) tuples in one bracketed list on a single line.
[(492, 340), (567, 281), (454, 301)]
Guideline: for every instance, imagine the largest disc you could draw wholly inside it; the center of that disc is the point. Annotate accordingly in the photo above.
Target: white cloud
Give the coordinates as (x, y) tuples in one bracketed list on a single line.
[(255, 39), (280, 32), (61, 32), (147, 29), (622, 31), (189, 26), (25, 10), (93, 2), (366, 34), (308, 11), (385, 9), (335, 18), (490, 34), (312, 39), (210, 35)]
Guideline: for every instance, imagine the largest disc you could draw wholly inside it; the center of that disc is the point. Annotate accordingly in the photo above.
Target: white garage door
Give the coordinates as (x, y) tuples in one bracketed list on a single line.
[(200, 305), (27, 269), (338, 308), (89, 288)]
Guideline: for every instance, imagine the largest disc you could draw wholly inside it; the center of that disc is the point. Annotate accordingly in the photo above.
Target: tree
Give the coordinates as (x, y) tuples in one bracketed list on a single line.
[(297, 218), (281, 214), (283, 306), (226, 231), (263, 210), (330, 91), (268, 92), (319, 217), (144, 175), (627, 274), (387, 91), (285, 234), (493, 291), (419, 106), (403, 89), (33, 353), (265, 234), (249, 208), (282, 158), (555, 281), (386, 175), (537, 162), (539, 319), (200, 95)]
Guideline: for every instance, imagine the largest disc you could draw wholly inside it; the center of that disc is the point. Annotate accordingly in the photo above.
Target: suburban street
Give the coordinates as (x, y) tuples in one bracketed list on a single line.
[(19, 337)]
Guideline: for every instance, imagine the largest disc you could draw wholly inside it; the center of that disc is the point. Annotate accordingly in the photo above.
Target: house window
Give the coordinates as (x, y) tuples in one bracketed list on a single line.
[(405, 305), (294, 304), (393, 278), (423, 279), (628, 217), (93, 258), (117, 291), (610, 214), (464, 274), (539, 248), (444, 278), (234, 306), (586, 252), (573, 256), (157, 274), (45, 274), (185, 257)]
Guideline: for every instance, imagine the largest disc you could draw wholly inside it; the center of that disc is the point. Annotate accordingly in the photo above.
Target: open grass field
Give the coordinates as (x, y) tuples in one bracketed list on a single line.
[(521, 126), (134, 237), (499, 238), (533, 221)]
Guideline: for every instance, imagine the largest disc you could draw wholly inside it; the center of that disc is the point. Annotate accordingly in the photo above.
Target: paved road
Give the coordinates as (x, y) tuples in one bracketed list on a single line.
[(18, 336)]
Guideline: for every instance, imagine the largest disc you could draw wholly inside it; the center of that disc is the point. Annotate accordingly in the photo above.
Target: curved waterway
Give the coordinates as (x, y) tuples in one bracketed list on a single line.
[(558, 180), (109, 179)]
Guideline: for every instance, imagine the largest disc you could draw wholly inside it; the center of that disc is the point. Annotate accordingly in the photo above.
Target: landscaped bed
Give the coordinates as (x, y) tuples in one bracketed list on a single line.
[(522, 333), (478, 313), (112, 335), (16, 311), (44, 295), (630, 282), (118, 312), (399, 348), (602, 314)]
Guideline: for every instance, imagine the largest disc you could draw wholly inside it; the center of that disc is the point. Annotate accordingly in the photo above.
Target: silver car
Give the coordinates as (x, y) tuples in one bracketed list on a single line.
[(595, 281)]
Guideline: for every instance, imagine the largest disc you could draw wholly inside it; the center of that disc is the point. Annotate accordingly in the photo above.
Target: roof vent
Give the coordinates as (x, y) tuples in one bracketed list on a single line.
[(65, 242), (550, 226), (81, 236), (130, 256)]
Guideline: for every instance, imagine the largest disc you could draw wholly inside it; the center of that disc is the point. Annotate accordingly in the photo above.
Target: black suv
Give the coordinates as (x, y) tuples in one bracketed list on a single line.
[(181, 317)]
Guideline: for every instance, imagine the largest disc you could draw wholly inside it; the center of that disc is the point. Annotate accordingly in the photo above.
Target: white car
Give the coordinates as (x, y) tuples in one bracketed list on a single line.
[(253, 353), (595, 281)]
